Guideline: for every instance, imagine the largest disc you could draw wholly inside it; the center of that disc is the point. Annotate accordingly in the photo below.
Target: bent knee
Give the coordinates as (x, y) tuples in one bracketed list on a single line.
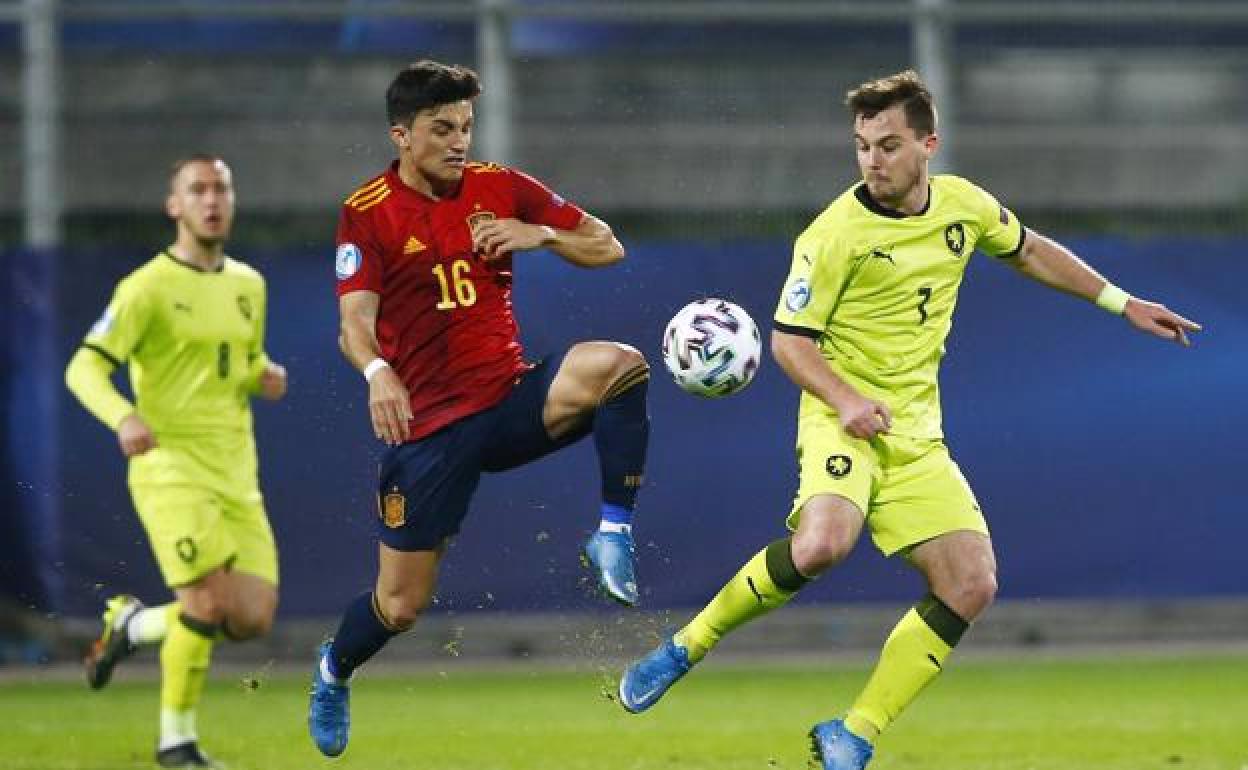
[(607, 361), (243, 629), (814, 553), (973, 594), (399, 612)]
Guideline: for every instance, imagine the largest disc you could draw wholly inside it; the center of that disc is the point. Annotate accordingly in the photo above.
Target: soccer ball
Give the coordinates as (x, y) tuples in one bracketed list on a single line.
[(712, 348)]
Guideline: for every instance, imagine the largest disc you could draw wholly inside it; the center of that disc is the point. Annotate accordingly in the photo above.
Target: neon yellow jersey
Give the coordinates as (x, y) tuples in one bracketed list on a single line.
[(877, 290), (194, 344)]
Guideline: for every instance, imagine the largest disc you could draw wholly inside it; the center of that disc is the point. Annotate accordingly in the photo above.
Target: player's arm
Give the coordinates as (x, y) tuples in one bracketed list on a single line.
[(89, 378), (1044, 260), (267, 378), (800, 358), (590, 244), (389, 405)]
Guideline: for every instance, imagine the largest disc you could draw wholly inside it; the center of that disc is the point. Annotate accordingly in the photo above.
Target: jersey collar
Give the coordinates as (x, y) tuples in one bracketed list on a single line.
[(872, 205), (410, 196), (189, 266)]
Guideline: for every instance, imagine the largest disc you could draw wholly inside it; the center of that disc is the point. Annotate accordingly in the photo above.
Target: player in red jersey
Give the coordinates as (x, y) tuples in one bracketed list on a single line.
[(424, 265)]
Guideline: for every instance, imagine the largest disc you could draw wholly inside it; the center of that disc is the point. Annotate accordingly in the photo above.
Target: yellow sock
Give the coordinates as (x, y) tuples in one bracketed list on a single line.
[(752, 592), (913, 656), (184, 658)]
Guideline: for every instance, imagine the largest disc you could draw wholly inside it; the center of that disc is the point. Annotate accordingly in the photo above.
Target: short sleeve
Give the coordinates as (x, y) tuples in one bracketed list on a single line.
[(119, 331), (537, 204), (817, 275), (1001, 234), (358, 262)]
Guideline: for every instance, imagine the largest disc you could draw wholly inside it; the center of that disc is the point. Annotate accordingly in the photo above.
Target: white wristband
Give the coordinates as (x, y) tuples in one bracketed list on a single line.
[(374, 366), (1113, 299)]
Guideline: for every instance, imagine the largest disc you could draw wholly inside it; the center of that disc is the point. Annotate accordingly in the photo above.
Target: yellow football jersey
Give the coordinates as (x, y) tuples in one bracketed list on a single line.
[(877, 290), (193, 341)]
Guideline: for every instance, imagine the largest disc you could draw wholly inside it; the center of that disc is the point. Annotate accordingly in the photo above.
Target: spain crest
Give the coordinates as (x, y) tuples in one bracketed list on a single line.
[(479, 218), (394, 509)]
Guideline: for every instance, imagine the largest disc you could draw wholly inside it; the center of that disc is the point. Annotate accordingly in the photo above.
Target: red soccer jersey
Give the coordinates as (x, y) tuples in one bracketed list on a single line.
[(445, 322)]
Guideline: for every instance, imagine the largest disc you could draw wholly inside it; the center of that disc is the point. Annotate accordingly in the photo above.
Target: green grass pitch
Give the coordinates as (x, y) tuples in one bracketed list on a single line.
[(1109, 713)]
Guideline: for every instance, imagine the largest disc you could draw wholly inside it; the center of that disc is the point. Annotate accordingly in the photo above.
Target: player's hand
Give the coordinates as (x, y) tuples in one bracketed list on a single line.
[(134, 436), (273, 382), (390, 406), (495, 238), (863, 418), (1159, 320)]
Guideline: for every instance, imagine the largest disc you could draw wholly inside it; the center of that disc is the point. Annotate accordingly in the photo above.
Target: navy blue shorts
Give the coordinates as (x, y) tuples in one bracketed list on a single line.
[(424, 486)]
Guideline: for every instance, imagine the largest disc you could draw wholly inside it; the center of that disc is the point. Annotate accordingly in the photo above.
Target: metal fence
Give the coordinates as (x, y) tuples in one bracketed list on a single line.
[(711, 112)]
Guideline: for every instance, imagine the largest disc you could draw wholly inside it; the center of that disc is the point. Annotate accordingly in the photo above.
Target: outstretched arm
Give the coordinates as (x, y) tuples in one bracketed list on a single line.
[(591, 244), (1052, 264)]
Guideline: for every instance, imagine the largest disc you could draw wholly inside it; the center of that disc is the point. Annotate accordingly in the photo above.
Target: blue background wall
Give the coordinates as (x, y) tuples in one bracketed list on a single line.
[(1108, 462)]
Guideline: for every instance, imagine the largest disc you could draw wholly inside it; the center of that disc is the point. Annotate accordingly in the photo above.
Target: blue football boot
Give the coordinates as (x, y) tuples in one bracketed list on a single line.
[(836, 748), (644, 682), (610, 556), (329, 712)]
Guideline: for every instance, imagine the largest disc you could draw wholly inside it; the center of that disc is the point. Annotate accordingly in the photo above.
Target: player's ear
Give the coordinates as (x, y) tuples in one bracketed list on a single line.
[(399, 135), (931, 143), (172, 208)]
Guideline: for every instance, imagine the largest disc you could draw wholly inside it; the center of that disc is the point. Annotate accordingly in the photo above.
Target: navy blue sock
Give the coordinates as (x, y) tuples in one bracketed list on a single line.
[(621, 434), (360, 635)]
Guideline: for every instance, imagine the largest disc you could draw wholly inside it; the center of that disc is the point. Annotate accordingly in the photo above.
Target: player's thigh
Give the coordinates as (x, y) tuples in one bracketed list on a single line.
[(518, 433), (424, 487), (586, 373), (248, 524), (253, 603), (829, 527), (832, 463), (957, 562), (186, 529), (922, 495)]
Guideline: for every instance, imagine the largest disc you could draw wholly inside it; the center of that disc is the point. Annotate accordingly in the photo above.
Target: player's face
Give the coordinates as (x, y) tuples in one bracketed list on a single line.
[(201, 199), (436, 144), (892, 158)]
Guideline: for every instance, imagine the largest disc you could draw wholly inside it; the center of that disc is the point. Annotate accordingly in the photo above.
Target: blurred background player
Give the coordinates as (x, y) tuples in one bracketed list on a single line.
[(860, 328), (189, 325), (424, 266)]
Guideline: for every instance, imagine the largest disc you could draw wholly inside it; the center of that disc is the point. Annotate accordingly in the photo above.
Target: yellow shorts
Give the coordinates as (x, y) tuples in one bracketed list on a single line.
[(909, 489), (199, 518)]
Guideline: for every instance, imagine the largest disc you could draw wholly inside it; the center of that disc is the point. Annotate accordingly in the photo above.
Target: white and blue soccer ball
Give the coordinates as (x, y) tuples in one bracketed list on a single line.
[(712, 348)]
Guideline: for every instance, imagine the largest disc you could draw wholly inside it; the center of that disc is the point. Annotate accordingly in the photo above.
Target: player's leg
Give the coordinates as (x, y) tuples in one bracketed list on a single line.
[(405, 585), (828, 528), (192, 546), (604, 384), (185, 656), (424, 490), (252, 605), (927, 512), (128, 624), (253, 575), (961, 576), (837, 476)]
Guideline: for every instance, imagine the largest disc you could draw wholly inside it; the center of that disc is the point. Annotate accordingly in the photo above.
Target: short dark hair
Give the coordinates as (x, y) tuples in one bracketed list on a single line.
[(904, 88), (196, 157), (426, 83)]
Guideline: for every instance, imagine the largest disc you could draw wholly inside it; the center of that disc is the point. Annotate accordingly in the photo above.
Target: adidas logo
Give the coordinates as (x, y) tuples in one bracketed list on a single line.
[(413, 245)]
